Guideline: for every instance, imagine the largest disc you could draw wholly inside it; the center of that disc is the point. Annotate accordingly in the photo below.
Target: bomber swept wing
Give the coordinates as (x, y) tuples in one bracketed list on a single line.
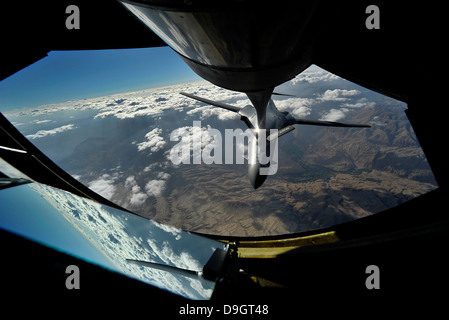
[(282, 122)]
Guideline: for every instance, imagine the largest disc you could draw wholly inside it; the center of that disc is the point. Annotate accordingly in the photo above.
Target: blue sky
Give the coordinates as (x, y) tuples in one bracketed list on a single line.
[(37, 220), (69, 75)]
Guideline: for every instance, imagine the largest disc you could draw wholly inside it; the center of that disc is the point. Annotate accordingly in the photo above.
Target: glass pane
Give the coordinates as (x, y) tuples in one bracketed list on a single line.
[(120, 146), (109, 237)]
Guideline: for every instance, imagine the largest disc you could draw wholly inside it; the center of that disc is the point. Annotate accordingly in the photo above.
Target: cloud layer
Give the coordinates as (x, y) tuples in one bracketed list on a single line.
[(154, 102), (45, 133)]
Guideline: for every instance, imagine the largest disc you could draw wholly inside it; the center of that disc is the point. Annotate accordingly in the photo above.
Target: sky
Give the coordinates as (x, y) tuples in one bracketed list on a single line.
[(69, 75)]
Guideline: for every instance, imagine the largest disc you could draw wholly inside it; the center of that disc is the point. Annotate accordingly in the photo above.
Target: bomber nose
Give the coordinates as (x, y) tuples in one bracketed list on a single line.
[(255, 177)]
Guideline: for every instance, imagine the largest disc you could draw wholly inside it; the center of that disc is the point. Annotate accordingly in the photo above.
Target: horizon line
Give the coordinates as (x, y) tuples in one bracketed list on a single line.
[(24, 109)]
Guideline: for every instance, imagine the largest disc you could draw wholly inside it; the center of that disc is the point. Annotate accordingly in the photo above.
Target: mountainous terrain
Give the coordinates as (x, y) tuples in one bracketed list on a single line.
[(335, 175), (119, 146)]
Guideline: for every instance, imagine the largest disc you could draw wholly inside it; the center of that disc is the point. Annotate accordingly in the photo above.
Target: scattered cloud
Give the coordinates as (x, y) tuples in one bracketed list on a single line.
[(154, 141), (104, 185), (338, 95), (209, 111), (215, 93), (155, 187), (137, 197), (313, 74), (170, 229), (153, 102), (183, 260), (77, 177), (298, 107), (154, 165), (189, 138), (376, 121), (41, 121), (334, 114), (210, 91), (150, 102), (44, 133), (361, 103), (163, 175)]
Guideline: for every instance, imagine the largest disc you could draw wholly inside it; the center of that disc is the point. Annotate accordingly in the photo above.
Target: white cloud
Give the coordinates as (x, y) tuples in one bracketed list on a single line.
[(334, 115), (298, 107), (163, 175), (212, 92), (361, 103), (155, 187), (153, 102), (154, 141), (209, 111), (150, 102), (170, 229), (314, 74), (130, 181), (104, 185), (44, 133), (338, 114), (82, 104), (137, 197), (157, 165), (41, 121), (190, 138), (193, 133), (338, 95), (215, 93), (150, 167), (77, 177), (184, 259)]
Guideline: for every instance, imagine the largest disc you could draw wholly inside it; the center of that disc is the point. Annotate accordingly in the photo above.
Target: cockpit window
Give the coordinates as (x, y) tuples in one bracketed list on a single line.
[(123, 142)]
